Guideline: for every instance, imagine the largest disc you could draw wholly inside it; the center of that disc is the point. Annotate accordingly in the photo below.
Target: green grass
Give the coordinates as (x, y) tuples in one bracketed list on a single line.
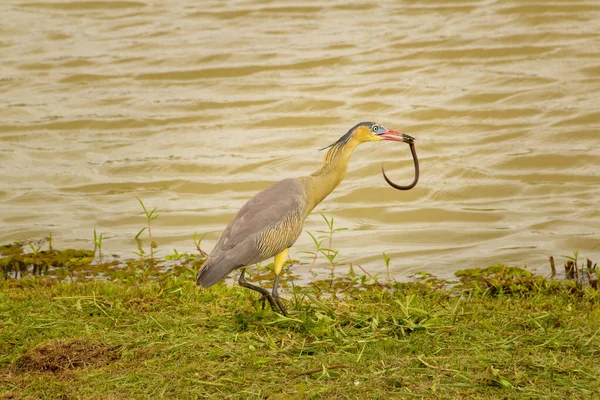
[(508, 336)]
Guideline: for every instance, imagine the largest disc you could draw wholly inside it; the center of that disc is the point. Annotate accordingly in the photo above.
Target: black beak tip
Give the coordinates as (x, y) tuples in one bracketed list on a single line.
[(408, 138)]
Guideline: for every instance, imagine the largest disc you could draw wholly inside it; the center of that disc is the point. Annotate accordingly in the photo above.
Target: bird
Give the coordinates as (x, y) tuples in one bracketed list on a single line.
[(271, 221)]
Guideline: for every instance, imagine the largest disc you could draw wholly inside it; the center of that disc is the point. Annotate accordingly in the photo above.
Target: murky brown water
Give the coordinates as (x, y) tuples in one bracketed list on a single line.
[(195, 106)]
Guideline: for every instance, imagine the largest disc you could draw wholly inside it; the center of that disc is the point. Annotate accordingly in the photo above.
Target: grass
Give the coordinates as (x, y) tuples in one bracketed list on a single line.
[(147, 332), (127, 339)]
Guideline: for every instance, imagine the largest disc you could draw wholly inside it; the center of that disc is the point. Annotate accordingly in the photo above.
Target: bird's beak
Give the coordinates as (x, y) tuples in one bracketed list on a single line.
[(397, 136)]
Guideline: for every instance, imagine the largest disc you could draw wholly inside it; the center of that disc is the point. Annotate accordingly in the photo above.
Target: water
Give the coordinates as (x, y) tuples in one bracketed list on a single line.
[(195, 106)]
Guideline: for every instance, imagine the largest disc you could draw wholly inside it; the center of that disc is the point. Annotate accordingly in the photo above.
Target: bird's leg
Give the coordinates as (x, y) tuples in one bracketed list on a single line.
[(265, 293), (278, 264), (276, 296)]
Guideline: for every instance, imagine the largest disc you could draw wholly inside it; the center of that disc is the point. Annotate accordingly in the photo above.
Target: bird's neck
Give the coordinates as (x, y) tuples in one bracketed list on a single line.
[(330, 175)]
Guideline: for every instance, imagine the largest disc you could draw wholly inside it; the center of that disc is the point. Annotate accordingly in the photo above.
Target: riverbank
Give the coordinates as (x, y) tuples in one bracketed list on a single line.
[(498, 333)]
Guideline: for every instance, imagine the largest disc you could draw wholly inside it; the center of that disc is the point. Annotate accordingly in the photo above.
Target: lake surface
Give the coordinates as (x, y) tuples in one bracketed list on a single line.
[(194, 106)]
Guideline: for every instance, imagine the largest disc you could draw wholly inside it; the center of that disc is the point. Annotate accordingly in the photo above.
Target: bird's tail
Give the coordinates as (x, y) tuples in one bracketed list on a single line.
[(213, 272)]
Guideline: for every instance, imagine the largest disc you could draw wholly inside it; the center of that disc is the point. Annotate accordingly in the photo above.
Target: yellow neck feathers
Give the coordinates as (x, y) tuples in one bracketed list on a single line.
[(333, 170)]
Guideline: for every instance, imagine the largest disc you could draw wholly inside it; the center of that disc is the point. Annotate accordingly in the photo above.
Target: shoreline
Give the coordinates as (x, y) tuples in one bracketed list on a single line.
[(495, 332)]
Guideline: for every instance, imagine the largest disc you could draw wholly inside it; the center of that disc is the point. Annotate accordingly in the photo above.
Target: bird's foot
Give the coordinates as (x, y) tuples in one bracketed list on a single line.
[(265, 293), (274, 302)]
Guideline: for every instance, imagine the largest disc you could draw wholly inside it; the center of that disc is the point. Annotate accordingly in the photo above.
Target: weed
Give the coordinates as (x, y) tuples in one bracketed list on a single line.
[(581, 274), (329, 233), (315, 254), (34, 249), (198, 242), (98, 244), (329, 253), (150, 216), (367, 274), (34, 260), (176, 256), (386, 259)]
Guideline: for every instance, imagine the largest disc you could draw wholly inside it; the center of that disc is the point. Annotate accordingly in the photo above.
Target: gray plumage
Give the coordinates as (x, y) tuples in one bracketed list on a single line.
[(267, 224)]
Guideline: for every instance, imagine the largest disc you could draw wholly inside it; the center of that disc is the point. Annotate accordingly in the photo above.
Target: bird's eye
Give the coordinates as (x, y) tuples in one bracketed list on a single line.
[(375, 128)]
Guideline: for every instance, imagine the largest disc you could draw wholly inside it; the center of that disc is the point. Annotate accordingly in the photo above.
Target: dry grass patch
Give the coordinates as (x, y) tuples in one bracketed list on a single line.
[(64, 354)]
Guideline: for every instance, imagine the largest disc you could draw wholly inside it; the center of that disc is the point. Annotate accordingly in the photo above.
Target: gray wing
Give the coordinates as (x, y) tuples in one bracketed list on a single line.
[(276, 209), (267, 224)]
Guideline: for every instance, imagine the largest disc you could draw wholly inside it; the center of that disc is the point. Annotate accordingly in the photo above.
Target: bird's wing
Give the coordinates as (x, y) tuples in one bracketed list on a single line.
[(269, 222)]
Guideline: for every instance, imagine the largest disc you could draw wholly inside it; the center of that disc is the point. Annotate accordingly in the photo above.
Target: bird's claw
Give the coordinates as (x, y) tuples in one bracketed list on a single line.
[(263, 300), (274, 301)]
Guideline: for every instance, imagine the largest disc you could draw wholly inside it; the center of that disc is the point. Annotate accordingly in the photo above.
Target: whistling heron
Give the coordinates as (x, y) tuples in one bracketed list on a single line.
[(271, 222)]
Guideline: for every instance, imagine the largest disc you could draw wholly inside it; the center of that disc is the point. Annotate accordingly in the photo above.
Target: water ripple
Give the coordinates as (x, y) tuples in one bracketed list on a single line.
[(195, 106)]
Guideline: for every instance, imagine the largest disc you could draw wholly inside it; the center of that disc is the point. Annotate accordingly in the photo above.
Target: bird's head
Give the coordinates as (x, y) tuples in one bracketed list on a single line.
[(374, 132), (371, 132)]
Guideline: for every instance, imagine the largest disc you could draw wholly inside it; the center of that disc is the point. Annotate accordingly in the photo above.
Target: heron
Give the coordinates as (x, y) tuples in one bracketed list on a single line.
[(271, 221)]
